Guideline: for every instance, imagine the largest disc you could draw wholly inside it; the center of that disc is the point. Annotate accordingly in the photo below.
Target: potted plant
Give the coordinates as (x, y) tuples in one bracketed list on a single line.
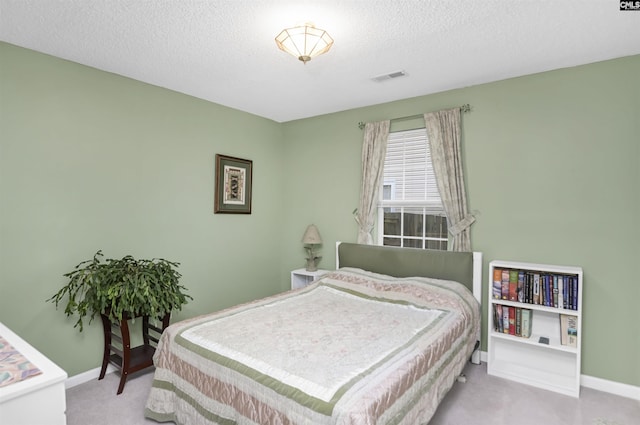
[(121, 289)]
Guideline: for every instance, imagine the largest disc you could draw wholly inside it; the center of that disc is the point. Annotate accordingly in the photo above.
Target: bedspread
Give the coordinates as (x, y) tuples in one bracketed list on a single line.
[(352, 348)]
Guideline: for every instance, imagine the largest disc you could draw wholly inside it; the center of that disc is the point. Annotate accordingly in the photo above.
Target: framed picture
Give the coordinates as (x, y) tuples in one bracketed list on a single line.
[(233, 185)]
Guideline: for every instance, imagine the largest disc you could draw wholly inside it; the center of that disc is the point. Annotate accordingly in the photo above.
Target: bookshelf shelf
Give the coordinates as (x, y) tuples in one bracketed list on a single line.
[(532, 350), (554, 342), (552, 310)]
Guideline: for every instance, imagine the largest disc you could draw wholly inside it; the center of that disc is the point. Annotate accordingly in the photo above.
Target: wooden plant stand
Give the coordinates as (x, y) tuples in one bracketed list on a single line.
[(127, 359)]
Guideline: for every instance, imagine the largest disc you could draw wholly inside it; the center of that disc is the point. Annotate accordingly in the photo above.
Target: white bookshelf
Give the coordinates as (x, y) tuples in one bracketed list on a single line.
[(551, 366)]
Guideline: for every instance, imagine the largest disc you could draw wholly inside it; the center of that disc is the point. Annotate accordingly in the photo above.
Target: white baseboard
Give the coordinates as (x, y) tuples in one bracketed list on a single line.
[(87, 376), (484, 356), (617, 388), (612, 387)]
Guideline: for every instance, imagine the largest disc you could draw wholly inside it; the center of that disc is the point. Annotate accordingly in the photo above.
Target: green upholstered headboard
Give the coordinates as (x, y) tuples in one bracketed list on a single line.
[(408, 262), (463, 267)]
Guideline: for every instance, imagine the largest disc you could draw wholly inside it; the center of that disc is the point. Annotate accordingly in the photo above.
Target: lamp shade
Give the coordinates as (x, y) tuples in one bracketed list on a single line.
[(311, 235), (304, 42)]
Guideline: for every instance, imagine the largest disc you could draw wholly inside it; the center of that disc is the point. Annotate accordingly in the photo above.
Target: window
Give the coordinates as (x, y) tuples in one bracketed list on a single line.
[(410, 211)]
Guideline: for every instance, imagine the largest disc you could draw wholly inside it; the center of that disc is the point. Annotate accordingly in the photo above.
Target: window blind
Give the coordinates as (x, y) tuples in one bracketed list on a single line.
[(408, 178)]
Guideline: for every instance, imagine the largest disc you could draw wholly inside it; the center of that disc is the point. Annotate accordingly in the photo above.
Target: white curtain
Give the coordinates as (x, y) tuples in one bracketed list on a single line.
[(443, 130), (374, 148)]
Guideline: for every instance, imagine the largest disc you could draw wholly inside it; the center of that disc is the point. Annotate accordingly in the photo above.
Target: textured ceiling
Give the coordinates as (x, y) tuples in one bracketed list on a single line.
[(224, 50)]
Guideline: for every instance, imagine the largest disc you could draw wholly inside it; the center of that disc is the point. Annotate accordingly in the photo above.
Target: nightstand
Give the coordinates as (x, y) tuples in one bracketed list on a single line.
[(302, 277)]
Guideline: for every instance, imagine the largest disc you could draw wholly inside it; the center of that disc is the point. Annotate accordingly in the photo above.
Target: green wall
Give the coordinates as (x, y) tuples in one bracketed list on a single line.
[(90, 160), (552, 163)]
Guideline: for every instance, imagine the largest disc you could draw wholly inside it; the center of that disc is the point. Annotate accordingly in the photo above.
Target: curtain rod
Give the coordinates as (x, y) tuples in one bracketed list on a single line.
[(464, 108)]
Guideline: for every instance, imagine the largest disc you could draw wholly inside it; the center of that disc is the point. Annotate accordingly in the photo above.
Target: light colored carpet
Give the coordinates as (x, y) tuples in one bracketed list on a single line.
[(96, 402), (488, 400), (482, 400)]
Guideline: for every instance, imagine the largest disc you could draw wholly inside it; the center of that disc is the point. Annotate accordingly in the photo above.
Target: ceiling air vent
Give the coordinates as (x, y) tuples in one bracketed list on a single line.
[(389, 76)]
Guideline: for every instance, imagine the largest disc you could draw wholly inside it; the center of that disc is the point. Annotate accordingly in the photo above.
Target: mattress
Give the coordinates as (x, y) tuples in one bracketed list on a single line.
[(352, 348)]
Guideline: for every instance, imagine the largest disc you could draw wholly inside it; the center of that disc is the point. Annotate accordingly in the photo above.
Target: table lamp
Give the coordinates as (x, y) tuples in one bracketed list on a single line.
[(311, 240)]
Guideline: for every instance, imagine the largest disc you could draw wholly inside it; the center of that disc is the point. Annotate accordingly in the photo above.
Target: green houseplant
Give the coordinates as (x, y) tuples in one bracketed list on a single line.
[(122, 288)]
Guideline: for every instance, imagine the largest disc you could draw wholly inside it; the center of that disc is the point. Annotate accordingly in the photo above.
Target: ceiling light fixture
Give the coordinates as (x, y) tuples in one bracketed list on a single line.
[(304, 41)]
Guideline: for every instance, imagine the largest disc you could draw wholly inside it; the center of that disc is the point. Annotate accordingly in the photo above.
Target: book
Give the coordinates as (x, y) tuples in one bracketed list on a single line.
[(574, 291), (526, 320), (505, 284), (497, 318), (513, 285), (548, 290), (497, 283), (536, 288), (568, 330), (518, 322), (570, 294), (561, 303), (512, 320), (520, 291), (505, 319)]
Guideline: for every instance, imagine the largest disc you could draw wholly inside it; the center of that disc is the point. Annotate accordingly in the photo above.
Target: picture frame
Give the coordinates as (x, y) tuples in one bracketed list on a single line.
[(233, 185)]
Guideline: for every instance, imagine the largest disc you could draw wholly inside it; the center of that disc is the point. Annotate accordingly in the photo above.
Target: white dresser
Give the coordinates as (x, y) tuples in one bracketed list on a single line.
[(39, 399)]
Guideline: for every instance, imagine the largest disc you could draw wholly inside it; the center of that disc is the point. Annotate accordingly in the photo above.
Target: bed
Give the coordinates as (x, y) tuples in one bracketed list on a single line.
[(381, 340)]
